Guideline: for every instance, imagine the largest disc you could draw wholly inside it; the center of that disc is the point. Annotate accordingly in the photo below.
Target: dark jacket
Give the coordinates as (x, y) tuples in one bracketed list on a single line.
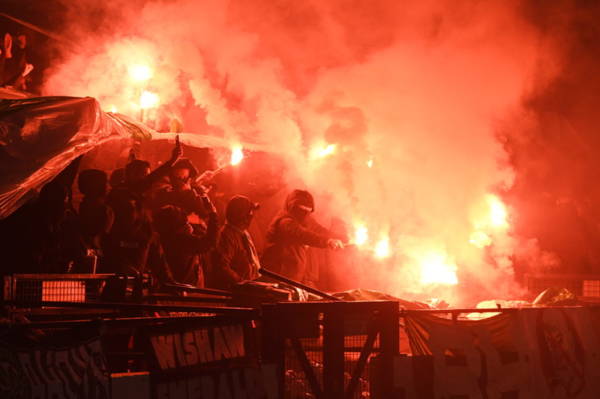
[(235, 258), (133, 249), (287, 239), (184, 247)]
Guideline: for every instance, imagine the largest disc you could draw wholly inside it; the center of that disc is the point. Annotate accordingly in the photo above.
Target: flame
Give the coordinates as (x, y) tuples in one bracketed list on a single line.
[(237, 154), (382, 248), (370, 163), (113, 109), (498, 214), (361, 235), (140, 73), (322, 151), (480, 239), (437, 269), (149, 100)]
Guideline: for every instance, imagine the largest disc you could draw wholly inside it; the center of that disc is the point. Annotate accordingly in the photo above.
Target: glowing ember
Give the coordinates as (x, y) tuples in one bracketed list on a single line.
[(361, 235), (480, 239), (149, 100), (436, 269), (498, 214), (236, 155), (140, 73), (370, 163), (382, 248), (322, 151)]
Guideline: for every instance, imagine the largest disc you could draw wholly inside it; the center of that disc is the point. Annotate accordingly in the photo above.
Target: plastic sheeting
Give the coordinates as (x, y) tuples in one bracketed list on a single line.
[(40, 136)]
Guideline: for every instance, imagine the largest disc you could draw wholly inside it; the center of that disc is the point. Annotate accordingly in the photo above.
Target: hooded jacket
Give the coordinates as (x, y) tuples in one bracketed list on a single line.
[(289, 235)]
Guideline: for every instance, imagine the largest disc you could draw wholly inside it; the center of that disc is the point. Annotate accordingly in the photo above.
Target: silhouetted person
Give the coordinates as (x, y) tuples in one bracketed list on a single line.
[(117, 178), (182, 245), (289, 234), (235, 259), (182, 192), (42, 236), (138, 179), (132, 246)]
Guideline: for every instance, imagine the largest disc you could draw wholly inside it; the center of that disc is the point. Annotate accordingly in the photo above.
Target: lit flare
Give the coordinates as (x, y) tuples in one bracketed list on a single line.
[(237, 155), (140, 73), (149, 100)]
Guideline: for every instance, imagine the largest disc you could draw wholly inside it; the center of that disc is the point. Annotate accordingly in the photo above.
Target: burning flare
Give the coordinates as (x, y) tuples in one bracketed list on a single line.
[(361, 235), (437, 269), (320, 151), (149, 100), (237, 154), (498, 214), (382, 248), (140, 73)]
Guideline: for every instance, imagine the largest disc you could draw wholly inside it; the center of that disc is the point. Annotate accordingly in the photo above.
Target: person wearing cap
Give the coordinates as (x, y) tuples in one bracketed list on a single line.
[(290, 233), (235, 258)]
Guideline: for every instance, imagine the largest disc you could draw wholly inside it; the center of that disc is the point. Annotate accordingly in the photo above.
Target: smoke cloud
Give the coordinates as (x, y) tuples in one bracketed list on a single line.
[(406, 119)]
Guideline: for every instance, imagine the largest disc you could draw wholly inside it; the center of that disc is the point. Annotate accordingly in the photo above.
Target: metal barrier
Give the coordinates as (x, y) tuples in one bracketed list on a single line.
[(582, 285), (31, 288), (325, 347)]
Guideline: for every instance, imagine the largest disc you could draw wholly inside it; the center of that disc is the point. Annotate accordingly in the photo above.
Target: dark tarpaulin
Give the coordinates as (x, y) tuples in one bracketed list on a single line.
[(40, 136)]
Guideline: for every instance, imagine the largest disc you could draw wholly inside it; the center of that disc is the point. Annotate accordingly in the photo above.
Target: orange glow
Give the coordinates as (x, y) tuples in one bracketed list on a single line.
[(361, 235), (480, 239), (382, 248), (237, 154), (498, 214), (113, 109), (149, 100), (437, 269), (322, 151), (370, 163), (140, 73)]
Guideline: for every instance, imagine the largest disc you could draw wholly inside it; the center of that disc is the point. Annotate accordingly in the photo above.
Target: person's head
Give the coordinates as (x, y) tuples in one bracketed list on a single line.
[(299, 204), (182, 172), (117, 177), (53, 200), (92, 182), (240, 211), (22, 40), (136, 170), (127, 208)]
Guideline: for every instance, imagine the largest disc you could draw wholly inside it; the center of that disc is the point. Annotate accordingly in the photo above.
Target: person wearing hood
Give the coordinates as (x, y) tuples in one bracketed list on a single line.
[(290, 233), (235, 259)]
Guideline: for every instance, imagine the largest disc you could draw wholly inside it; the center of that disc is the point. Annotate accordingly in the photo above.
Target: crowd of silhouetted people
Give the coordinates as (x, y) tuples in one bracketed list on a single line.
[(162, 223)]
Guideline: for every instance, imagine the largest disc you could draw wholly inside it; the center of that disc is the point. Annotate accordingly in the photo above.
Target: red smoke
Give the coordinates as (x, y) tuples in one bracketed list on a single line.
[(388, 111)]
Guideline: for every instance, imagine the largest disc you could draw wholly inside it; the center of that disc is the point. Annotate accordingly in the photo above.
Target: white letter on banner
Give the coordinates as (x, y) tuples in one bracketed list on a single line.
[(163, 347), (205, 352), (234, 336)]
